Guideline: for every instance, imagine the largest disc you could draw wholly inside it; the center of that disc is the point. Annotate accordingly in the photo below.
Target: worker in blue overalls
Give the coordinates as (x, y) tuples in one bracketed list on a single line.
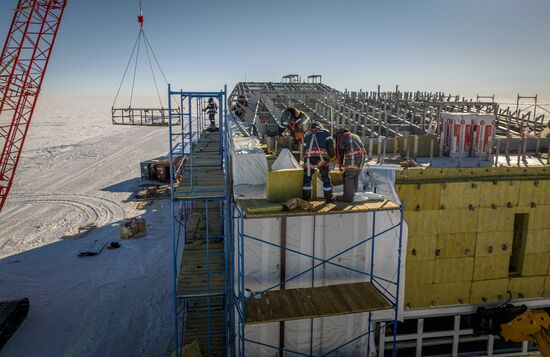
[(350, 153), (318, 152)]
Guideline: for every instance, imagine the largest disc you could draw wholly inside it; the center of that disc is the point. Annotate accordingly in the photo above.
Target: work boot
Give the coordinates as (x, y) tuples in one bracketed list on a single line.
[(329, 198), (306, 195)]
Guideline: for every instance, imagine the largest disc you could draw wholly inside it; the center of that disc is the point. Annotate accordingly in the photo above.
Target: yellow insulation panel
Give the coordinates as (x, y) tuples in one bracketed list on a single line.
[(539, 217), (526, 192), (525, 209), (541, 192), (495, 220), (453, 270), (422, 197), (282, 185), (421, 247), (452, 293), (494, 267), (526, 287), (437, 294), (546, 291), (489, 290), (535, 264), (419, 272), (456, 221), (457, 245), (423, 223), (418, 296), (499, 193), (494, 243), (423, 145), (538, 240), (459, 251), (336, 177), (460, 194), (471, 173)]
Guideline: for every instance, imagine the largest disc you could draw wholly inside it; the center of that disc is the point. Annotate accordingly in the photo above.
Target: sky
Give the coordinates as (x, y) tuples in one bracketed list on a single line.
[(499, 47)]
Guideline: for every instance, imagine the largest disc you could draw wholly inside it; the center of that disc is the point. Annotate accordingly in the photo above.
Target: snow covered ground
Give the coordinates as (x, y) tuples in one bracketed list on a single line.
[(76, 167)]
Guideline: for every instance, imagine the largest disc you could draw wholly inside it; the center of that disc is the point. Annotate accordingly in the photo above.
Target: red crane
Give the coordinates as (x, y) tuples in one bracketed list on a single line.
[(23, 63)]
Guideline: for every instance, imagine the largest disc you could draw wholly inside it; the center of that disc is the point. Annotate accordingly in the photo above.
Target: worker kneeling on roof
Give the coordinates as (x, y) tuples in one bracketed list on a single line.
[(318, 151), (296, 122), (350, 153)]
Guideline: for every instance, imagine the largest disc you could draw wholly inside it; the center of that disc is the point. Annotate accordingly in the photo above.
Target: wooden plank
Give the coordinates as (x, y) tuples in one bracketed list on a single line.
[(299, 307), (274, 304), (350, 302), (288, 308), (197, 323), (307, 307), (194, 277), (323, 306), (335, 299), (354, 298), (320, 207), (260, 306), (195, 274), (304, 303), (195, 195)]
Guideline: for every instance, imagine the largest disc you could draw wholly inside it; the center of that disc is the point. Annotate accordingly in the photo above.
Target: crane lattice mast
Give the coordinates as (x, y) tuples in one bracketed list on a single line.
[(23, 63)]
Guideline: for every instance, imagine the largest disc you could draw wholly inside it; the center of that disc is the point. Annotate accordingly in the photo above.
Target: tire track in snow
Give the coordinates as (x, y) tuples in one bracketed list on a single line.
[(79, 173), (49, 214)]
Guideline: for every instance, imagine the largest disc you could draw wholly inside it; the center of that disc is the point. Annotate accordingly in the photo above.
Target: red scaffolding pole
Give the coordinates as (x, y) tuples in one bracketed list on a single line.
[(23, 63)]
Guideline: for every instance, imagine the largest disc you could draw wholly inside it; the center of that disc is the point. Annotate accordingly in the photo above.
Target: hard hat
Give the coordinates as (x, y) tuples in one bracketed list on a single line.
[(315, 125), (285, 117), (295, 112)]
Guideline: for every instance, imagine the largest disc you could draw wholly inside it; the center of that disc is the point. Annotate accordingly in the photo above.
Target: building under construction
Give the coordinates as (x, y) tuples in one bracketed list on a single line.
[(447, 252), (452, 242)]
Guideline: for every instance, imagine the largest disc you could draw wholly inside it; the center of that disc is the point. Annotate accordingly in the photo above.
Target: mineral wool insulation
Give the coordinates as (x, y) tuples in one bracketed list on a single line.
[(323, 237)]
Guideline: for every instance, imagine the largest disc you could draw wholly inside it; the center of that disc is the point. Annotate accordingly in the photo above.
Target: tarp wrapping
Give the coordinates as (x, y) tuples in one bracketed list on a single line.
[(323, 237), (249, 160)]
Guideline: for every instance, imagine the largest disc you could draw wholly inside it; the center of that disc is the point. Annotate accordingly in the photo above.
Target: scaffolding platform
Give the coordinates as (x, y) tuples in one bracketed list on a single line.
[(306, 303), (259, 208), (200, 185), (204, 176), (199, 275), (199, 208), (202, 268), (205, 322)]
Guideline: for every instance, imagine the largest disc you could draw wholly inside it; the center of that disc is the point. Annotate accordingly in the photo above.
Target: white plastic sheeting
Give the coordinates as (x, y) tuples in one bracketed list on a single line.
[(383, 177), (323, 237), (285, 160), (249, 161), (249, 167)]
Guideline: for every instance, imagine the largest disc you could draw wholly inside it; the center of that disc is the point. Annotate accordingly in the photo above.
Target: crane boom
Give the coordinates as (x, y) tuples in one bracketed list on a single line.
[(23, 63)]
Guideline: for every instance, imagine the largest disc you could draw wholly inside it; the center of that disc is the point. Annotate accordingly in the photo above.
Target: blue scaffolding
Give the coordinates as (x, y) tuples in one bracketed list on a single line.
[(199, 205), (253, 307), (208, 237)]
